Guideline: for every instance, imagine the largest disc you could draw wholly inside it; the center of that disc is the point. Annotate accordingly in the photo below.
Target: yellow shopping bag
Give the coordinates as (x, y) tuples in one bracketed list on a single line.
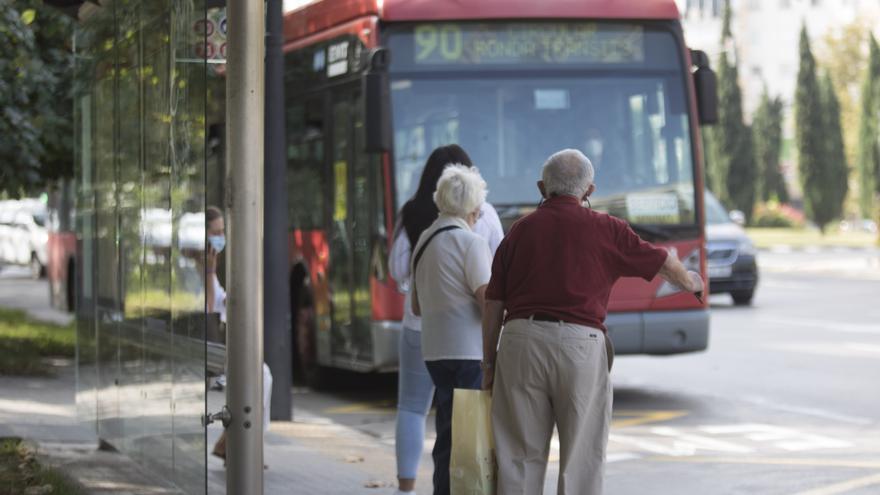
[(472, 468)]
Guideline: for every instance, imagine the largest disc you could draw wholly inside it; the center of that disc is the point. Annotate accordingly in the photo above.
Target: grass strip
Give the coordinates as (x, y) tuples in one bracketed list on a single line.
[(22, 474), (25, 343)]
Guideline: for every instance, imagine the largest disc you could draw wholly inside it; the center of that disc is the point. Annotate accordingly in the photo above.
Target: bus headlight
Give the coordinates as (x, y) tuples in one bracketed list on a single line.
[(690, 262)]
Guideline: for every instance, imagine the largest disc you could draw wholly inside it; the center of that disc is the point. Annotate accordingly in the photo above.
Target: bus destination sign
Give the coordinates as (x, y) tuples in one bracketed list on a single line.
[(527, 43)]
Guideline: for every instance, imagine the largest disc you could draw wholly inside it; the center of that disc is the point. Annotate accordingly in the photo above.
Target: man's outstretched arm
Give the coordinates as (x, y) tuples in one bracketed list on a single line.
[(674, 272)]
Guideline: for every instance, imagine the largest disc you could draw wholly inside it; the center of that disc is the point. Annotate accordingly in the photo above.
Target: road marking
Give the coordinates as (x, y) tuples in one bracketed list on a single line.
[(626, 418), (782, 438), (810, 411), (860, 347), (620, 457), (847, 350), (772, 461), (830, 325), (746, 438), (691, 442), (647, 445), (383, 406), (844, 486)]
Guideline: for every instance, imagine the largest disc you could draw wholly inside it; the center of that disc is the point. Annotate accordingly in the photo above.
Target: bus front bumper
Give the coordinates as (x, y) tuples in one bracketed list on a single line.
[(659, 332), (650, 332)]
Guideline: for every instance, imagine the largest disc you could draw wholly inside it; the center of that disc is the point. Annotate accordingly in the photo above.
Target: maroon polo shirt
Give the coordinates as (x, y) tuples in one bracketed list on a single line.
[(562, 260)]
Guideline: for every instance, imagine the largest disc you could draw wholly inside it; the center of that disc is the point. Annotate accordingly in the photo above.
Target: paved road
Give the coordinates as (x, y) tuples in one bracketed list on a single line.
[(18, 290), (786, 400)]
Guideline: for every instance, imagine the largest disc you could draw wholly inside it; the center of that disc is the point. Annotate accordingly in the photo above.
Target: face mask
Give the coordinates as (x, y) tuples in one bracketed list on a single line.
[(217, 242)]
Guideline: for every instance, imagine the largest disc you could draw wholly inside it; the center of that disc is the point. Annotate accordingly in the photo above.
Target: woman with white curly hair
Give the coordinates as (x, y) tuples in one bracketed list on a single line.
[(451, 266)]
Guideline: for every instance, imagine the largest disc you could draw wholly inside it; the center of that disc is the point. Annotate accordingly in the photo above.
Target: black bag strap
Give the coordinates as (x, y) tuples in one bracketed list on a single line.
[(422, 250)]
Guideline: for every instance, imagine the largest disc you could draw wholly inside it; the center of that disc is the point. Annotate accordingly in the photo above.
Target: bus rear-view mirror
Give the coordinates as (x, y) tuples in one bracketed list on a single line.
[(377, 101), (706, 86)]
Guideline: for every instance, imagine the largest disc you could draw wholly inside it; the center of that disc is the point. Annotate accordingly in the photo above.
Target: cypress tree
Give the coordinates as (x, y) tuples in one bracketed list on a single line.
[(730, 164), (869, 127), (812, 136), (836, 166), (767, 139)]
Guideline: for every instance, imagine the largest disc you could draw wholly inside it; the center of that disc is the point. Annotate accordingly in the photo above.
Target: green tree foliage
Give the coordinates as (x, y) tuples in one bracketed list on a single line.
[(820, 171), (730, 162), (767, 138), (868, 157), (36, 125), (835, 151), (842, 52)]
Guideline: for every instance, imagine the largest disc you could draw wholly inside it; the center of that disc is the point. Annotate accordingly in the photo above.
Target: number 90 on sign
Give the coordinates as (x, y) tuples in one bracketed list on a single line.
[(444, 41)]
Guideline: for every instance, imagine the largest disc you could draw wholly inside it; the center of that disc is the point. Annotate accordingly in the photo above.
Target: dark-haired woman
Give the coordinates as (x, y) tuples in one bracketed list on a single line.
[(415, 388)]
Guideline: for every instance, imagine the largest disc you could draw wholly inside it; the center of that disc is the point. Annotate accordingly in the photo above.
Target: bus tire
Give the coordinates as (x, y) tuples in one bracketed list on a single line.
[(743, 297)]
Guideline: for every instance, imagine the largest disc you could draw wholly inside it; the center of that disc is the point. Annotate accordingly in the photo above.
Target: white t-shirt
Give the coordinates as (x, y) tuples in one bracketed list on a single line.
[(488, 227), (454, 265)]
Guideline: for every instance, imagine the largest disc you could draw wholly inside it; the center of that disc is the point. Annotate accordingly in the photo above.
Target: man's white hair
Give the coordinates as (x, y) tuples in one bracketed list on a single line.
[(460, 191), (567, 173)]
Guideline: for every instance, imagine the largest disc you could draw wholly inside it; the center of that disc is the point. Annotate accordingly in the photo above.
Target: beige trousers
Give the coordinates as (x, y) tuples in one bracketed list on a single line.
[(551, 373)]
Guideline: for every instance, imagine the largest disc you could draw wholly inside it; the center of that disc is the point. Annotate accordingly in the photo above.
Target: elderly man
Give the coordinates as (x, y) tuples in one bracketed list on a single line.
[(553, 274)]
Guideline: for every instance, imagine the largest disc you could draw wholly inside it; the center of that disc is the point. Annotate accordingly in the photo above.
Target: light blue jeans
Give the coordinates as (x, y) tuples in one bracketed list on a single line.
[(415, 390)]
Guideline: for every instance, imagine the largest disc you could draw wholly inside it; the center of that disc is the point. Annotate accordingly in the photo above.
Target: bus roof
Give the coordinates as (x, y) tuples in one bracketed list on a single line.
[(322, 14)]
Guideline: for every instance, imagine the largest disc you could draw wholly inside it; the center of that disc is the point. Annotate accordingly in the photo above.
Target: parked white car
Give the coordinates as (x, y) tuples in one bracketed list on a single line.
[(23, 234)]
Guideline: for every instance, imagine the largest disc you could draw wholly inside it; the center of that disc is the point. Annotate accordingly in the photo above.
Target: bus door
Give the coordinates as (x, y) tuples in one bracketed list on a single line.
[(350, 231)]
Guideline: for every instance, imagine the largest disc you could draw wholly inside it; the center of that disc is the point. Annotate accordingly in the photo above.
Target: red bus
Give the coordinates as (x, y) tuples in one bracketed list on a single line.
[(373, 86)]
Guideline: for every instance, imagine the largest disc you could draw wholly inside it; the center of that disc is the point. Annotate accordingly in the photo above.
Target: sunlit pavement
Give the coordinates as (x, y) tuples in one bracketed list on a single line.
[(785, 401)]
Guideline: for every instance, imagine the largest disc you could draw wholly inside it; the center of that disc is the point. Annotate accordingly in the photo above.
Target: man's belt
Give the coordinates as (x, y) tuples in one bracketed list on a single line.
[(546, 317)]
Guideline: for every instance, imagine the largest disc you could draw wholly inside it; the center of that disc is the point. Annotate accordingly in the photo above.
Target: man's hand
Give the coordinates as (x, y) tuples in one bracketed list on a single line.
[(676, 274), (696, 282)]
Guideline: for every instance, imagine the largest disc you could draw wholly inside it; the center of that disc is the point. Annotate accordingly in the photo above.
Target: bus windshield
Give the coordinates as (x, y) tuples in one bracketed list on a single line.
[(512, 94)]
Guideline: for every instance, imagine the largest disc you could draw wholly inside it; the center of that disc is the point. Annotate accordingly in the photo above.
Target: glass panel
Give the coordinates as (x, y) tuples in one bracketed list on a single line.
[(155, 225), (86, 387), (129, 182), (187, 165), (141, 140), (107, 287)]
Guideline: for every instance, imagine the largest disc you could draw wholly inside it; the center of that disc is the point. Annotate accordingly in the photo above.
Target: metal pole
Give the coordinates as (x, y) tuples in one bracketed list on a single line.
[(279, 355), (244, 118)]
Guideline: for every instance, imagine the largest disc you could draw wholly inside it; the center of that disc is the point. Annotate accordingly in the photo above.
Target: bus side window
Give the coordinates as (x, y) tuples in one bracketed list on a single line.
[(305, 161)]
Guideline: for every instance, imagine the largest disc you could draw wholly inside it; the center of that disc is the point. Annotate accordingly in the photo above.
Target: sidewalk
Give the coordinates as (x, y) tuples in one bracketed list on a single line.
[(318, 456), (311, 454)]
